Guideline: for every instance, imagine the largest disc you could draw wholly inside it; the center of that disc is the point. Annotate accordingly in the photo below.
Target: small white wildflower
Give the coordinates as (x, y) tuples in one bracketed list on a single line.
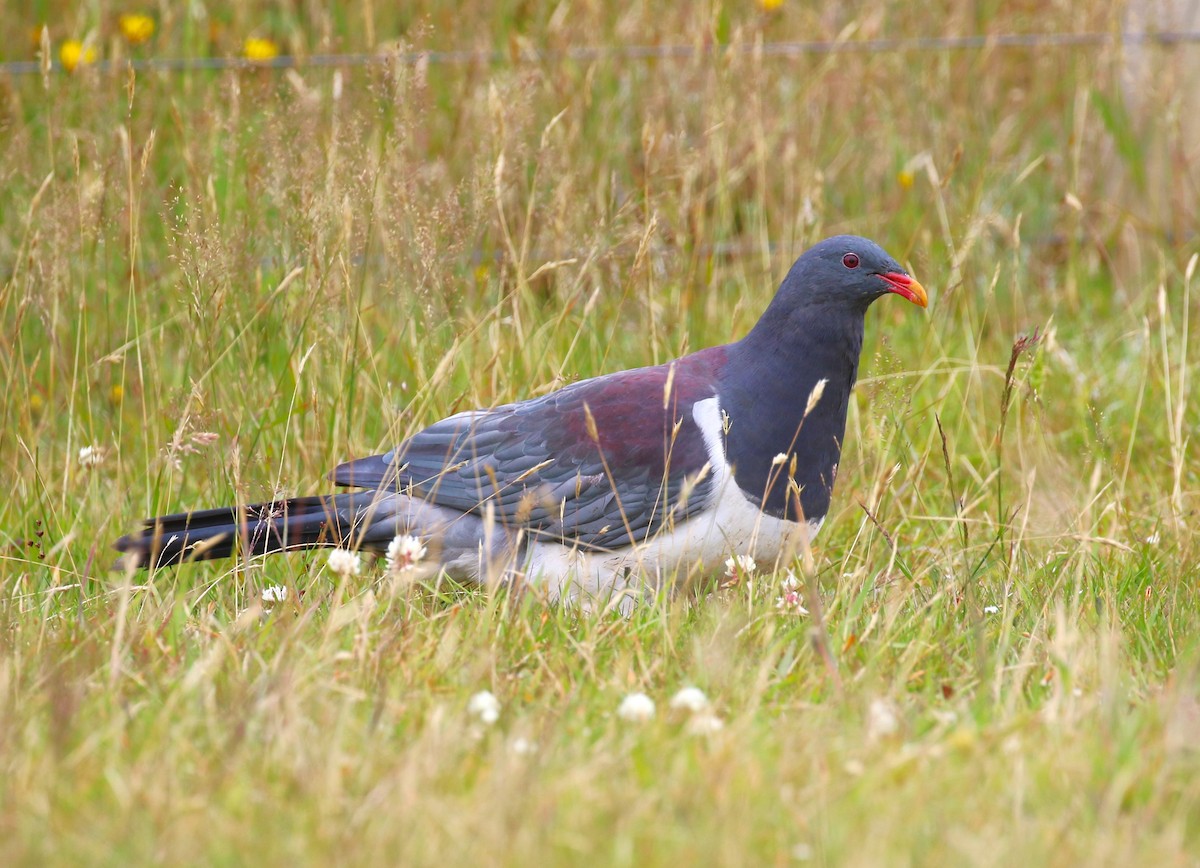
[(690, 699), (791, 601), (522, 746), (704, 723), (344, 563), (274, 594), (990, 610), (91, 456), (740, 564), (1153, 539), (404, 553), (881, 719), (485, 706), (779, 459), (636, 708)]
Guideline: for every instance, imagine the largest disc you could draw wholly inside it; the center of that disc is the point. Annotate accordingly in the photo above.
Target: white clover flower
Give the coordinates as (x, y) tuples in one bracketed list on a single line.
[(404, 553), (882, 719), (274, 594), (990, 610), (740, 564), (704, 723), (344, 563), (791, 601), (636, 708), (690, 699), (92, 456), (485, 706), (522, 746)]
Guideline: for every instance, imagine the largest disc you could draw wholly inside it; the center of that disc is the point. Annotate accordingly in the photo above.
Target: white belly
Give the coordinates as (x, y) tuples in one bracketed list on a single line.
[(731, 525)]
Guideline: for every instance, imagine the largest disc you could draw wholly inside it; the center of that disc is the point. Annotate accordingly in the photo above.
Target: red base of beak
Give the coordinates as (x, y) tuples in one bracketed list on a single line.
[(903, 285)]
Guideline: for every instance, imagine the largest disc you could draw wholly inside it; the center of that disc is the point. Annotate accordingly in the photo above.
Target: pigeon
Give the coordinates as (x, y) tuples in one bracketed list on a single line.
[(636, 479)]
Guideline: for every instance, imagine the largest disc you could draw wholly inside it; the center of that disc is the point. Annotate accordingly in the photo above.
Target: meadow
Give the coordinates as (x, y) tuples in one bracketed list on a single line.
[(216, 284)]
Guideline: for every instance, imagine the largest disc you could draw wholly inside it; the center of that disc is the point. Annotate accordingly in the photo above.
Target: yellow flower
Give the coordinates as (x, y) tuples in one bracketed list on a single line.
[(36, 403), (136, 28), (74, 53), (116, 394), (770, 5), (260, 50), (905, 179)]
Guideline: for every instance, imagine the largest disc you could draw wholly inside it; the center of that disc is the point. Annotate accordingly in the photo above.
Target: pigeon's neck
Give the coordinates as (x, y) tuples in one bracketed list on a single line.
[(809, 338), (765, 392)]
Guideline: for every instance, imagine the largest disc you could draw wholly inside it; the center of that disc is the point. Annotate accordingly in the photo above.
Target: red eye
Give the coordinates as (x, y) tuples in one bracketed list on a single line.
[(850, 260)]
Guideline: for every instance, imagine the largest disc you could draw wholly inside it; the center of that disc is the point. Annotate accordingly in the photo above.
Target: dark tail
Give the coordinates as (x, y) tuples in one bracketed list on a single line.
[(209, 534)]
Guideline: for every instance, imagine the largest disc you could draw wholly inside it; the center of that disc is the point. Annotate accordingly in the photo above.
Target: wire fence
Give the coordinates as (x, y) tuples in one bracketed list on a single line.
[(631, 52)]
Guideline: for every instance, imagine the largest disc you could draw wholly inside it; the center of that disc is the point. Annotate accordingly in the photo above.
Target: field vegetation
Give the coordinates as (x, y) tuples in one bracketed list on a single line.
[(216, 284)]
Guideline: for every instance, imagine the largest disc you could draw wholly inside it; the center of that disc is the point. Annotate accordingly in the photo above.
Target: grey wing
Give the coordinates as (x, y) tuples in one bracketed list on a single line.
[(528, 465)]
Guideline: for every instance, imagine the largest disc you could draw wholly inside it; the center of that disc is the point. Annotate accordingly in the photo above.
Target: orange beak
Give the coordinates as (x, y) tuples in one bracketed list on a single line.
[(903, 285)]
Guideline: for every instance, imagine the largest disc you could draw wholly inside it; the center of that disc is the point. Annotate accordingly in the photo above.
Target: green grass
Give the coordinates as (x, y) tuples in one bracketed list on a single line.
[(233, 281)]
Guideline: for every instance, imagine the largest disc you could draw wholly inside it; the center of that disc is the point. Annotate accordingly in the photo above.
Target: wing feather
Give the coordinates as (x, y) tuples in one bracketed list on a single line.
[(543, 467)]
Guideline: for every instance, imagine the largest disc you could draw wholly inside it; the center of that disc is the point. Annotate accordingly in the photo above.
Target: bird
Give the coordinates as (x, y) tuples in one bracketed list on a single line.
[(631, 480)]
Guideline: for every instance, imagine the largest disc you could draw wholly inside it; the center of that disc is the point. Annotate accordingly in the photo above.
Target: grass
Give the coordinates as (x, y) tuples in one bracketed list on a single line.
[(231, 281)]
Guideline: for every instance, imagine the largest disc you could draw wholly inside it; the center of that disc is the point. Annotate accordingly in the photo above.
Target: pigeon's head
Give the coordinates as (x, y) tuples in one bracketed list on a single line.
[(847, 271)]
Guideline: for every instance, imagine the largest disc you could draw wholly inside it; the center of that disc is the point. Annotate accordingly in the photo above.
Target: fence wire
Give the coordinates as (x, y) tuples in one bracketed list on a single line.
[(629, 52)]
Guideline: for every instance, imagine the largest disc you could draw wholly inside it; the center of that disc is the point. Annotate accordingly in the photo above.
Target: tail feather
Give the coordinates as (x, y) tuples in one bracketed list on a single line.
[(261, 528), (368, 520)]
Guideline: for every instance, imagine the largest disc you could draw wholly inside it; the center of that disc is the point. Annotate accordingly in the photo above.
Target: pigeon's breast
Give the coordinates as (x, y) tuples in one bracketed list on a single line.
[(726, 525)]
